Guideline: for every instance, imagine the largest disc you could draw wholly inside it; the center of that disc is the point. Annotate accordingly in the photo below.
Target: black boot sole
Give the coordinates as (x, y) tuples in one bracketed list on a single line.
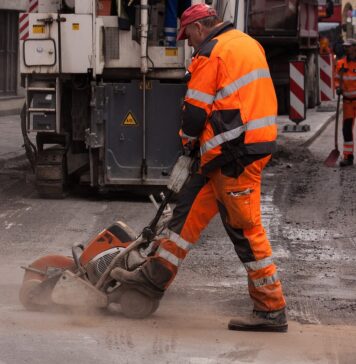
[(259, 328)]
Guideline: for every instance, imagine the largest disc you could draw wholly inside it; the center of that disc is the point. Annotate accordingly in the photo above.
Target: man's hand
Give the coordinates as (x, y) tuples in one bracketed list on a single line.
[(192, 150), (189, 148)]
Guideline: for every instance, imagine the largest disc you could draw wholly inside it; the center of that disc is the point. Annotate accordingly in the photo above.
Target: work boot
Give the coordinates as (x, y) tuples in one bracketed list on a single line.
[(274, 321), (347, 161), (137, 280)]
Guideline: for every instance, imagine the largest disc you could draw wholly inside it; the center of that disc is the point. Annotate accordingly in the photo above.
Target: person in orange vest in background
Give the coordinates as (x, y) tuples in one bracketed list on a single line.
[(345, 81), (324, 45), (229, 115), (325, 50)]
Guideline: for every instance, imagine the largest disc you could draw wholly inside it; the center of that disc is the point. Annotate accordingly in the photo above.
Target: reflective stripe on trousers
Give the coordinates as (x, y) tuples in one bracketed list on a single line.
[(348, 148), (180, 243)]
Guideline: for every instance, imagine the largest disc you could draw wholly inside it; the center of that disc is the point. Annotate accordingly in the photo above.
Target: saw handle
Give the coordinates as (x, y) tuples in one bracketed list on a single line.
[(149, 232), (179, 176), (76, 256)]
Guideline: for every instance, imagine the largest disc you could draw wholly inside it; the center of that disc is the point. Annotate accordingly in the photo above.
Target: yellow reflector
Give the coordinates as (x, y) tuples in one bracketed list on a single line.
[(38, 29), (171, 52)]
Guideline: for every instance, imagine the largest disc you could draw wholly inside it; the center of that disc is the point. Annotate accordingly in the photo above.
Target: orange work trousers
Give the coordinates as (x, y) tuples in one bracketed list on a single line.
[(349, 110), (236, 196)]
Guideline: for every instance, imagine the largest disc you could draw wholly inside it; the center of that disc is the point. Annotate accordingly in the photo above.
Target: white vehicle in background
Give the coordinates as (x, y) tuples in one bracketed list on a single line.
[(104, 93)]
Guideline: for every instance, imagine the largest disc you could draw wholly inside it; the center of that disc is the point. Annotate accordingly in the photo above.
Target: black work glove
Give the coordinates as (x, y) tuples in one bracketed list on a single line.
[(191, 149)]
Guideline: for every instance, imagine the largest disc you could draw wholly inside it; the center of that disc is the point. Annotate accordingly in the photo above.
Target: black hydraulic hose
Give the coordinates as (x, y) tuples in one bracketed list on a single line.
[(30, 148)]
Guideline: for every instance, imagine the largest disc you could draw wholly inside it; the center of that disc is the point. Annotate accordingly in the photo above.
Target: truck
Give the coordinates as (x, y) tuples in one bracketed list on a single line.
[(104, 91)]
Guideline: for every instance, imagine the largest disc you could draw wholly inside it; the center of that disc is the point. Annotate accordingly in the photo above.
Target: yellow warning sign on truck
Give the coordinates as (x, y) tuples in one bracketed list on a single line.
[(171, 52), (130, 120), (38, 29)]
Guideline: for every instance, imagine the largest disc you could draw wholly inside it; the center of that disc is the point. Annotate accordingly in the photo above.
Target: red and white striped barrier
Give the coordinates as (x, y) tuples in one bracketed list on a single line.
[(33, 6), (24, 24), (297, 107), (326, 82)]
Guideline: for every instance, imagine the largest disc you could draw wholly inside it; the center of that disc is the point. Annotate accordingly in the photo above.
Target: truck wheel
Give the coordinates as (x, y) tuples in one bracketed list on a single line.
[(136, 305)]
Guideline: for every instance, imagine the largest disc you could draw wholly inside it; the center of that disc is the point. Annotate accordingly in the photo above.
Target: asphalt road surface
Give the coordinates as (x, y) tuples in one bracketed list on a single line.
[(309, 212)]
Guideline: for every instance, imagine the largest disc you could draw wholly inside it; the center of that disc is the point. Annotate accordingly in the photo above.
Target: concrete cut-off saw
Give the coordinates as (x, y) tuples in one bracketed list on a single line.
[(83, 280)]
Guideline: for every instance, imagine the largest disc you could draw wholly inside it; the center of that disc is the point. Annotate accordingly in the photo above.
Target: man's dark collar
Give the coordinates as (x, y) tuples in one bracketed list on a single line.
[(224, 27)]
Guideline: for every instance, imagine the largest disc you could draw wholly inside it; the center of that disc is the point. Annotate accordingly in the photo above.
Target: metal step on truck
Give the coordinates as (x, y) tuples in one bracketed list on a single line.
[(104, 87)]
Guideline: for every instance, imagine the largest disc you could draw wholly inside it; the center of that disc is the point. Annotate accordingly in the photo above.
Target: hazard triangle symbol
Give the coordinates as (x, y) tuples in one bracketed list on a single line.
[(130, 120)]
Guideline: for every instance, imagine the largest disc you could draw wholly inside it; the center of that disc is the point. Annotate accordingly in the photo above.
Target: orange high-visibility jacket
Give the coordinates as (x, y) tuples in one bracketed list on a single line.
[(348, 77), (230, 105)]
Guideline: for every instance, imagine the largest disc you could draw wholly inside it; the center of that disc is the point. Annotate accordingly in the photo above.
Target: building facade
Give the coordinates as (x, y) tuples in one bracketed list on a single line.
[(9, 75), (349, 18)]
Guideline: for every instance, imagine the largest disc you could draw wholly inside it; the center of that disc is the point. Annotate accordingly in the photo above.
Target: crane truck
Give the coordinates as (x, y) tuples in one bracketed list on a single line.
[(104, 91)]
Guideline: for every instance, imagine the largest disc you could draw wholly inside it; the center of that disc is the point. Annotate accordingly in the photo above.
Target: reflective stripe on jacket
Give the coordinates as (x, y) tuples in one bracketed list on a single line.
[(348, 77), (230, 104)]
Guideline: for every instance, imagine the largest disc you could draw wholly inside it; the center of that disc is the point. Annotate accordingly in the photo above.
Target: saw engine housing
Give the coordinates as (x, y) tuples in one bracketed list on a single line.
[(99, 253)]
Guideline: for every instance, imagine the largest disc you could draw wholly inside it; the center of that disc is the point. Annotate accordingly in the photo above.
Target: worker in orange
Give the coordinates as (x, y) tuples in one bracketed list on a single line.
[(345, 82), (326, 51), (324, 46), (229, 114)]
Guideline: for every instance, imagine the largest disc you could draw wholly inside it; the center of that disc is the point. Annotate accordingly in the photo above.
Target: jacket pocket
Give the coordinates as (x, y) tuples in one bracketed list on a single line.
[(243, 206)]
